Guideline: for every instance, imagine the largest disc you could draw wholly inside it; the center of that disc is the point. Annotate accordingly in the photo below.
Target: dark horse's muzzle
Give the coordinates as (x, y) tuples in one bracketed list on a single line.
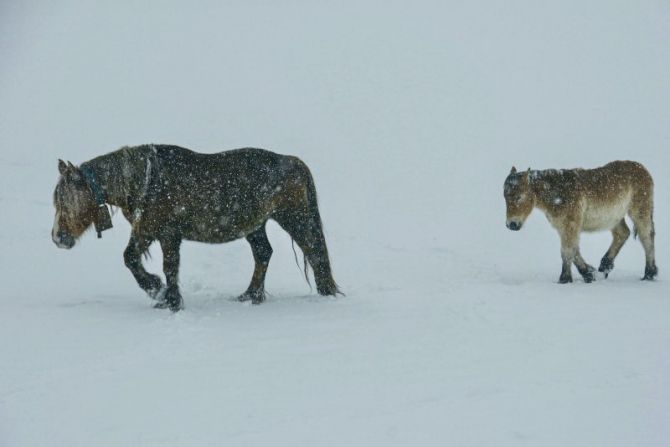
[(63, 240), (514, 226)]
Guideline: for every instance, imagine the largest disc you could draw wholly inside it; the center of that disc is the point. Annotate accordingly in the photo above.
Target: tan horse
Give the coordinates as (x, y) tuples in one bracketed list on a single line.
[(578, 200)]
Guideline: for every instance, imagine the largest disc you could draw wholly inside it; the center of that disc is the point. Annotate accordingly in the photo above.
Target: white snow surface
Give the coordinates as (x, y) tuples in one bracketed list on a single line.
[(410, 115)]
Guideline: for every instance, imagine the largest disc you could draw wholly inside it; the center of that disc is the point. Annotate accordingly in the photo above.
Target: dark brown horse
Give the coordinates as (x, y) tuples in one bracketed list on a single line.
[(170, 194)]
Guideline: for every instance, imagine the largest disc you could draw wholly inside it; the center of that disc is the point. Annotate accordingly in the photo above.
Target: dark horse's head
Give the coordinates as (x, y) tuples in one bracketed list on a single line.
[(518, 198), (75, 206)]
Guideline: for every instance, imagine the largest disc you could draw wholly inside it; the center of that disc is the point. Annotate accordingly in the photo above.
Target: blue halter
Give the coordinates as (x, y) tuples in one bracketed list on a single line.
[(92, 182), (103, 220)]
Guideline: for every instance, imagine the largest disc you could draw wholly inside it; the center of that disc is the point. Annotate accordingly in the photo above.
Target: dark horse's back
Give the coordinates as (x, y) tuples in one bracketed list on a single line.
[(229, 195), (223, 196)]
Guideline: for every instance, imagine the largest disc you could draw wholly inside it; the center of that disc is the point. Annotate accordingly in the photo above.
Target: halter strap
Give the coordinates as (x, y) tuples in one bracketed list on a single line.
[(92, 182), (103, 220), (148, 173)]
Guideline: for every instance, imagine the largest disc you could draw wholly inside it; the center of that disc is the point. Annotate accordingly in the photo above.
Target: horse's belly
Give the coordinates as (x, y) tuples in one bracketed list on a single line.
[(212, 234), (218, 228), (604, 217), (210, 237)]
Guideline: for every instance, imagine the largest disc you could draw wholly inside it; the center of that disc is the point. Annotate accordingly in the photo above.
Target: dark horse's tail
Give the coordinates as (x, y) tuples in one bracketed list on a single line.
[(319, 260), (303, 222)]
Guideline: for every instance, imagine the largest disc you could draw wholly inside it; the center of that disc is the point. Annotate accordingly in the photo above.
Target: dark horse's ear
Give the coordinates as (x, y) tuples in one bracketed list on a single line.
[(75, 173), (513, 171), (68, 170)]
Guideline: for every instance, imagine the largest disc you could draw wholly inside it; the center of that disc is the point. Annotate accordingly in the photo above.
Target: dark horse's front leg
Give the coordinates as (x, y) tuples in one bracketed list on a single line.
[(137, 246), (170, 246)]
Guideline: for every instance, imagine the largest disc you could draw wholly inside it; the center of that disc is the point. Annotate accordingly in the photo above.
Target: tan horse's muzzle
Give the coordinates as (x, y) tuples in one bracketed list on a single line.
[(514, 225)]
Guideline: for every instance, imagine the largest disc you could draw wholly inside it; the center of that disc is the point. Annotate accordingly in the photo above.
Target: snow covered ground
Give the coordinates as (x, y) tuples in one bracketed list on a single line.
[(453, 331)]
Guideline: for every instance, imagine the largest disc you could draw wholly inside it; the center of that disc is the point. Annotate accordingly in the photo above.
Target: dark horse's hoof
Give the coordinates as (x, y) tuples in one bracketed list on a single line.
[(154, 287), (650, 273), (171, 301), (606, 266), (157, 294), (256, 296), (174, 307)]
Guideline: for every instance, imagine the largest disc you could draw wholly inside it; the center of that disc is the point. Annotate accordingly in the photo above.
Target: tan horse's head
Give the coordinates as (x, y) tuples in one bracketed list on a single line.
[(75, 206), (519, 198)]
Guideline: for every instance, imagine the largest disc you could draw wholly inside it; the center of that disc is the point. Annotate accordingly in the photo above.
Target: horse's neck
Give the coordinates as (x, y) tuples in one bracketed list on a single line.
[(541, 184), (551, 185), (120, 174)]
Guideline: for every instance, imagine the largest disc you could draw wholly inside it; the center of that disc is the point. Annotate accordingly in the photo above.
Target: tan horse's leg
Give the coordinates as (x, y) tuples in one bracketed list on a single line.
[(641, 212), (587, 271), (620, 234), (644, 226), (569, 248)]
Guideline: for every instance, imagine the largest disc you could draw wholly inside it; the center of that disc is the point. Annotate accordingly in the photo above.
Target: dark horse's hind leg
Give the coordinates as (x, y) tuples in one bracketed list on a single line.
[(262, 251), (132, 256), (304, 226), (170, 247), (620, 234)]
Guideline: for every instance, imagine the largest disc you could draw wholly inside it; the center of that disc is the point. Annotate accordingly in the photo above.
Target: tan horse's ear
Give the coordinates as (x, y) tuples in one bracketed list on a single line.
[(513, 171)]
